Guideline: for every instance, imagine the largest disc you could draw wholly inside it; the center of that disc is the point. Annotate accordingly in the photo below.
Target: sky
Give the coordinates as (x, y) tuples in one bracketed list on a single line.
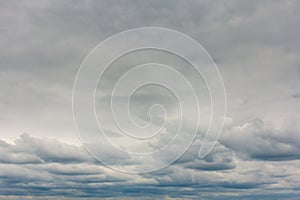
[(255, 45)]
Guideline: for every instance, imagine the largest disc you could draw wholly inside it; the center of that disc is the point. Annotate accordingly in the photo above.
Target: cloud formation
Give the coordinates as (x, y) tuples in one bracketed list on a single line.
[(260, 142), (256, 47), (46, 167)]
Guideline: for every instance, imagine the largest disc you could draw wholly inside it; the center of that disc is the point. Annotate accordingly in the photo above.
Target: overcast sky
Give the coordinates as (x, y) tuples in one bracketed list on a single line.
[(256, 47)]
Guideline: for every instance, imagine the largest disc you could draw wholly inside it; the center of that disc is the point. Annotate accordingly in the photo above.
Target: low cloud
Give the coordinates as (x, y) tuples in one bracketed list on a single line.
[(259, 141), (47, 167), (28, 149)]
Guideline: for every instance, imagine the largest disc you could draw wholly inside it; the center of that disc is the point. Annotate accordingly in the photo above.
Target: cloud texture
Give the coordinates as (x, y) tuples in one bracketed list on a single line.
[(256, 47)]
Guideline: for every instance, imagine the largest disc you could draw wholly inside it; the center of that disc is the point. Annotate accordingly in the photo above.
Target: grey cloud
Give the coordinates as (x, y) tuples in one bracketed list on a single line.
[(51, 39), (218, 161), (27, 149), (220, 158), (296, 95), (256, 47), (73, 174), (260, 142), (56, 168)]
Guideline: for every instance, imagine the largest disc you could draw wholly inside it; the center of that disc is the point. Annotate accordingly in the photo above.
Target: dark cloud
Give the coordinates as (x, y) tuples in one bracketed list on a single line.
[(207, 166)]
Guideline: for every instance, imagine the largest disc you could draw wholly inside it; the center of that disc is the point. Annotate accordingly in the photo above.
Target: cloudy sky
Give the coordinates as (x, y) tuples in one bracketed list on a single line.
[(256, 47)]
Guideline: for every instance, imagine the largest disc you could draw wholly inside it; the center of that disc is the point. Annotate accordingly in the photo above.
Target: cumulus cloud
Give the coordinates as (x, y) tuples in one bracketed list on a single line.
[(49, 150), (47, 167), (261, 142), (39, 164)]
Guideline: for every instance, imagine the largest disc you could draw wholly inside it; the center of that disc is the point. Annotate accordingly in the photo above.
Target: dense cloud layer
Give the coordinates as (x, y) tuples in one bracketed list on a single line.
[(33, 166), (256, 47)]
